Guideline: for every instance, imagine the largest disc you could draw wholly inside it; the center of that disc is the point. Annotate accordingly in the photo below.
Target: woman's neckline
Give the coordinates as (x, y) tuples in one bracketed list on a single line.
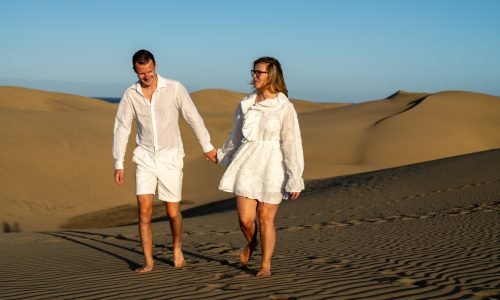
[(273, 96)]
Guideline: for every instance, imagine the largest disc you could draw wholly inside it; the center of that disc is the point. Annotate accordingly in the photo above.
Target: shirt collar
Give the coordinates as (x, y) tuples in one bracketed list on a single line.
[(162, 82)]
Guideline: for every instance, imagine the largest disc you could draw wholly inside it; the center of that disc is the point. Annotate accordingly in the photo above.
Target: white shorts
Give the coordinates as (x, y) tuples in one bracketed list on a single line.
[(163, 172)]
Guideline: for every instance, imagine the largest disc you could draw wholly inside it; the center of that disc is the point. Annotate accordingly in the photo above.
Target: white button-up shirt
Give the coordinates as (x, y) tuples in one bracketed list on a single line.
[(157, 120)]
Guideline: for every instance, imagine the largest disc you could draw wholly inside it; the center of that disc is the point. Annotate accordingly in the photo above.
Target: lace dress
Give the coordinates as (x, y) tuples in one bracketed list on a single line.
[(263, 153)]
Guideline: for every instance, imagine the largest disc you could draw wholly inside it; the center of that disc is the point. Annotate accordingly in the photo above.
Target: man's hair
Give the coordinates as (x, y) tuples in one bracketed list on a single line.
[(276, 80), (142, 57)]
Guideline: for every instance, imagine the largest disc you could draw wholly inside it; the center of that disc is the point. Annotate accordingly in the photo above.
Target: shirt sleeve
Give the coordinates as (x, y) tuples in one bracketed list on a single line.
[(291, 147), (123, 125), (193, 118), (233, 142)]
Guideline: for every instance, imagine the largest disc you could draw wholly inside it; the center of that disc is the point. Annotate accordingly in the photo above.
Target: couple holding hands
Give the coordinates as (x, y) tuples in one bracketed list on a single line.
[(263, 154)]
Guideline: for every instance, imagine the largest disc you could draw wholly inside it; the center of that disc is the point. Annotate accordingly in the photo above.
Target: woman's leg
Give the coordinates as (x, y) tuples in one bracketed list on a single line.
[(267, 212), (247, 211)]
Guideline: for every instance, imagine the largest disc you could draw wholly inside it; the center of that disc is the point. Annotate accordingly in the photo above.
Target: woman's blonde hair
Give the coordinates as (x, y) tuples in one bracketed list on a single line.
[(275, 79)]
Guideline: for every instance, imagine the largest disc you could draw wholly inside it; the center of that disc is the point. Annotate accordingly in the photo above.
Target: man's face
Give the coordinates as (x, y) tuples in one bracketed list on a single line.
[(146, 73)]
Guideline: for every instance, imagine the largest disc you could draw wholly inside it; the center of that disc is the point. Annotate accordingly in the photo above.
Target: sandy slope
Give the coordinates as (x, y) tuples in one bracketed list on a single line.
[(423, 231), (56, 164), (405, 128)]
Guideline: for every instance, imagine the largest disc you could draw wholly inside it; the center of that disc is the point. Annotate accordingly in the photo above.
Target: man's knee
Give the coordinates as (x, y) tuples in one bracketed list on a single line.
[(145, 208), (174, 211), (145, 216)]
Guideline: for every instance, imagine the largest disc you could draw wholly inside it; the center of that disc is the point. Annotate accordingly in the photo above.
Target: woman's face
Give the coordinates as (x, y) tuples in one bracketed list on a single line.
[(260, 75)]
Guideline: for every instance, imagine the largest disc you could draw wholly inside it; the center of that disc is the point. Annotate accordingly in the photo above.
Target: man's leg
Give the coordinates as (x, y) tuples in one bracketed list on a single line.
[(246, 215), (145, 204), (175, 216)]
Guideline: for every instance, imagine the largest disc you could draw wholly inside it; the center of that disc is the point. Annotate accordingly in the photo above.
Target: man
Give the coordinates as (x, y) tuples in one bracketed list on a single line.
[(155, 102)]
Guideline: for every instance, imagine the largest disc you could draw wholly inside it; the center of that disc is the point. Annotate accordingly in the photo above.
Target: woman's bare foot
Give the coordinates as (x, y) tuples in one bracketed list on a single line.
[(144, 269), (247, 252), (264, 273), (179, 261)]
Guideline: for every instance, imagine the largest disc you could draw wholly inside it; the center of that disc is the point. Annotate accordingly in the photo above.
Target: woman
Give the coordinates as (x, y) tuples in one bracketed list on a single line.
[(264, 158)]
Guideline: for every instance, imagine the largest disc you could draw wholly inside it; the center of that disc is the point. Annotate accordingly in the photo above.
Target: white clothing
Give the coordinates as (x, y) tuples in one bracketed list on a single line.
[(159, 153), (165, 172), (157, 121), (263, 154)]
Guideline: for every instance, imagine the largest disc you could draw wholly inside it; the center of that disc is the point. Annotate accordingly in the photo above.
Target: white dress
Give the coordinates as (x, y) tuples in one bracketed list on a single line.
[(263, 154)]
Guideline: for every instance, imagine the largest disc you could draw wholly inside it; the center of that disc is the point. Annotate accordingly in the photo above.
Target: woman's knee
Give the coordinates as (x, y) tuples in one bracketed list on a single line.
[(246, 223), (266, 221), (266, 217)]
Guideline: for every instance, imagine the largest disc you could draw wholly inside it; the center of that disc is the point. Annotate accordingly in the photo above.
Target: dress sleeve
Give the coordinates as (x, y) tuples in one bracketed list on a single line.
[(193, 118), (123, 124), (291, 147), (233, 142)]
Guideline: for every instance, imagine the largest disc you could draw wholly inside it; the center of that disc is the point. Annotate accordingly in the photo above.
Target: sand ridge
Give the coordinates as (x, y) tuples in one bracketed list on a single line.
[(56, 148)]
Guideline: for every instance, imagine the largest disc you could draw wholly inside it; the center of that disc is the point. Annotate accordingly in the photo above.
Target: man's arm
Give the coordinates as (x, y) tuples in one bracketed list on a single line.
[(195, 121), (122, 128)]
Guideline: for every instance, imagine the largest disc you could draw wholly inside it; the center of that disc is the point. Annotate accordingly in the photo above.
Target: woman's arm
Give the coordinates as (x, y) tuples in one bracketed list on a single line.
[(291, 147), (233, 142)]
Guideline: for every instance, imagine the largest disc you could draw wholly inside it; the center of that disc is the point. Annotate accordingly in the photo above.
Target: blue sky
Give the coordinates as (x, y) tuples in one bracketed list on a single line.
[(331, 51)]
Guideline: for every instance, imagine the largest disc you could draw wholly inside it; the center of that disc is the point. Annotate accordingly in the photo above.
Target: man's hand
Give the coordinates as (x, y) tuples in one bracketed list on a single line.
[(211, 156), (294, 195), (119, 176)]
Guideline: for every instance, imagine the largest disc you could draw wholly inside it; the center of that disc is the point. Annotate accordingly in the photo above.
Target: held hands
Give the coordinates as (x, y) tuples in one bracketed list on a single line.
[(211, 156)]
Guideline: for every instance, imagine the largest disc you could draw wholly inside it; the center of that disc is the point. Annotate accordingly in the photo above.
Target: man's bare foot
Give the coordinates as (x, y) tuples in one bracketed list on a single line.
[(264, 273), (179, 261), (247, 252), (144, 269)]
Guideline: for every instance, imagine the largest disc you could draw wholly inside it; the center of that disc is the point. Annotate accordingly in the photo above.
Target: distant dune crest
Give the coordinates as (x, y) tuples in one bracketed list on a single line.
[(57, 147)]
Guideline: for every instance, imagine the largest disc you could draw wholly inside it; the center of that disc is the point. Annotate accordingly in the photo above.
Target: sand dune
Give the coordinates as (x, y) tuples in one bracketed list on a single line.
[(402, 129), (55, 158), (422, 231), (56, 161)]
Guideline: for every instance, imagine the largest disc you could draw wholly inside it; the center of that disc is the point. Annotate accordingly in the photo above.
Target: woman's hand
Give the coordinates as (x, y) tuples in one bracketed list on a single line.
[(294, 195)]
